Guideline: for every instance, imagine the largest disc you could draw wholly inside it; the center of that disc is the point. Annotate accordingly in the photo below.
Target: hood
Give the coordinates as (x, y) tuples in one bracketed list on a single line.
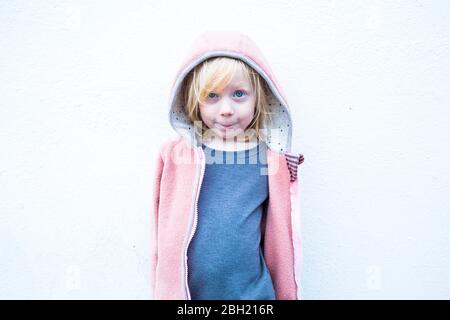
[(232, 44)]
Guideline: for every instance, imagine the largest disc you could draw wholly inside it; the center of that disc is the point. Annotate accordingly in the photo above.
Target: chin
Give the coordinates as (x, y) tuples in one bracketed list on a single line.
[(228, 133)]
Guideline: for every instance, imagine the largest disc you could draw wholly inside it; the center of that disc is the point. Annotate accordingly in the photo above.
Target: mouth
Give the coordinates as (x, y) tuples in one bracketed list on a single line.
[(226, 126)]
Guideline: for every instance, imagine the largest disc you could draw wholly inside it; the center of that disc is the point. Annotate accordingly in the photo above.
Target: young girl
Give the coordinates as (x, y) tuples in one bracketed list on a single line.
[(225, 204)]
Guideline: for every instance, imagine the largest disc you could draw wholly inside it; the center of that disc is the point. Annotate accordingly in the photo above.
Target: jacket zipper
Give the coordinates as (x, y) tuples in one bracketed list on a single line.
[(199, 185)]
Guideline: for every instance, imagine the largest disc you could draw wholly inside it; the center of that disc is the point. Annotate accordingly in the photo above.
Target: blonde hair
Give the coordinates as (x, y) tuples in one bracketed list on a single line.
[(214, 74)]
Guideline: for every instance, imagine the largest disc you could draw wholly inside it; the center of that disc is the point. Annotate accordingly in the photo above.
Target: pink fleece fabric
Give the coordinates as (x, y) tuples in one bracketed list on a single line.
[(173, 206)]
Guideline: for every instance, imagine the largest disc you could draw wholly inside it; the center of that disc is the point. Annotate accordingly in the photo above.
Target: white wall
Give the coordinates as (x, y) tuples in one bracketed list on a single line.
[(84, 88)]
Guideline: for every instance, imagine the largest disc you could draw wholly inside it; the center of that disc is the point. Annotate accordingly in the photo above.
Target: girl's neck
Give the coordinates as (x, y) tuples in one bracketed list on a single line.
[(230, 144)]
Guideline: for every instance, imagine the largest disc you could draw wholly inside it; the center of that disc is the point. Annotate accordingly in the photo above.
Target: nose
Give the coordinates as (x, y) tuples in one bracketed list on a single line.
[(225, 108)]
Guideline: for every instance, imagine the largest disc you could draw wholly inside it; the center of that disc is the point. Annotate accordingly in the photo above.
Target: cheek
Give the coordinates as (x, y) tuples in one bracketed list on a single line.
[(206, 116), (247, 113)]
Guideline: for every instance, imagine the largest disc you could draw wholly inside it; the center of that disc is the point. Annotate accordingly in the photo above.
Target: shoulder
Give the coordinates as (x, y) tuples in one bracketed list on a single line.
[(167, 144), (289, 160), (173, 145)]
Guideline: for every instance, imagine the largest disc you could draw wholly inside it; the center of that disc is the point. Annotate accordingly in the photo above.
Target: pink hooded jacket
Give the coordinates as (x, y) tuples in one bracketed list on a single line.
[(179, 173)]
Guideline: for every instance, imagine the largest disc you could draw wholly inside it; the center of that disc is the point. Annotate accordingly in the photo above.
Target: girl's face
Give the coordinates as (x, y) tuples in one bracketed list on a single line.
[(229, 112)]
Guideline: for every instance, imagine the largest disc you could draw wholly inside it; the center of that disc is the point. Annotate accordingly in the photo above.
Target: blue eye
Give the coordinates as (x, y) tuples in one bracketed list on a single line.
[(239, 94), (240, 91)]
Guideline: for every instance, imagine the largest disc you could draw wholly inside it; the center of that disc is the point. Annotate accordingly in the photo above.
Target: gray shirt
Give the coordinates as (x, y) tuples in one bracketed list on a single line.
[(225, 257)]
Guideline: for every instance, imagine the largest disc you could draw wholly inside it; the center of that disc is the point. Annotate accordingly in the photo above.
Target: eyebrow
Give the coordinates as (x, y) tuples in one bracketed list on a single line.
[(241, 85)]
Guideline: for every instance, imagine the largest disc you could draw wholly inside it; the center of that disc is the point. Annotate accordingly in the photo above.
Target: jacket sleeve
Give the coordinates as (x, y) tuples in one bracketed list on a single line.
[(154, 222)]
